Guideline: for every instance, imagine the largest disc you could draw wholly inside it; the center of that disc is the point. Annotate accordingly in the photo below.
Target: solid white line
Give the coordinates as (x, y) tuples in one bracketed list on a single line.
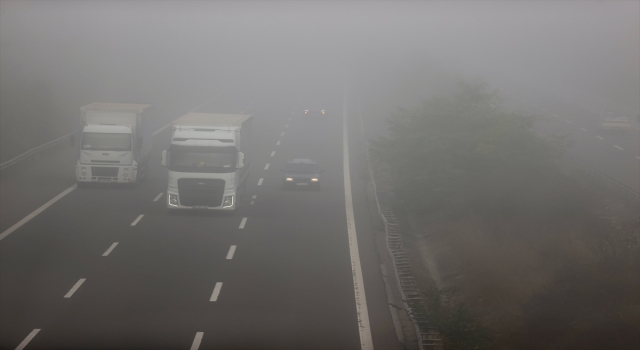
[(232, 250), (36, 212), (366, 342), (137, 219), (75, 288), (260, 182), (286, 126), (196, 341), (254, 196), (282, 133), (158, 196), (216, 291), (583, 129), (278, 143), (273, 153), (28, 339), (266, 167), (599, 137), (618, 147), (568, 122), (242, 223), (110, 249)]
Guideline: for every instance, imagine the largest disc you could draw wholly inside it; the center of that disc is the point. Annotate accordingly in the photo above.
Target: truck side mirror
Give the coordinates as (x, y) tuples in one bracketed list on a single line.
[(72, 140), (240, 164), (164, 158)]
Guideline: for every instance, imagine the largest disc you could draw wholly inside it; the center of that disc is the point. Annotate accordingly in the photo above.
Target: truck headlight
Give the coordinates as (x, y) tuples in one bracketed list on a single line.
[(289, 179), (315, 179), (227, 202), (173, 200)]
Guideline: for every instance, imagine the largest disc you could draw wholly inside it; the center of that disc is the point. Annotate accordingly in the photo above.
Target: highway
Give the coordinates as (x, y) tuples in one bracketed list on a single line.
[(108, 268)]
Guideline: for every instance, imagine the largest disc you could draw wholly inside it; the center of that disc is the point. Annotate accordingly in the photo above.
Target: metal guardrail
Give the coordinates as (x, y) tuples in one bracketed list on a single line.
[(34, 151)]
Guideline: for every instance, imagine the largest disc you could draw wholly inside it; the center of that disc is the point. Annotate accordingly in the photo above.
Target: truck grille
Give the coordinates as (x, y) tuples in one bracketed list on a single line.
[(205, 192), (104, 171)]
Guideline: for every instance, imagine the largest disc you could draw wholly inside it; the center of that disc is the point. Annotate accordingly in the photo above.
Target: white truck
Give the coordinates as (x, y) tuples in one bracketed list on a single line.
[(115, 143), (612, 122), (208, 167)]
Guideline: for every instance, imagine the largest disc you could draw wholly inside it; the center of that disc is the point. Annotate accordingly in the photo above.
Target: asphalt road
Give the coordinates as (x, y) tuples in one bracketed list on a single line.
[(109, 268)]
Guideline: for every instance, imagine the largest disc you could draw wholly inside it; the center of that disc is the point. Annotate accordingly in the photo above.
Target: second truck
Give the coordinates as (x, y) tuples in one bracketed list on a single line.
[(208, 166)]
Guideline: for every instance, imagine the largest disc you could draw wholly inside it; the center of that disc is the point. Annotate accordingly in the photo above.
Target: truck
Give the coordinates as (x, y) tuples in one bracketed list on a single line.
[(207, 161), (115, 143), (614, 122)]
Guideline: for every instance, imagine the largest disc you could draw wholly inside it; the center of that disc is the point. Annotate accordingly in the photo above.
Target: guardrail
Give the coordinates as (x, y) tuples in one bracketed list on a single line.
[(34, 151)]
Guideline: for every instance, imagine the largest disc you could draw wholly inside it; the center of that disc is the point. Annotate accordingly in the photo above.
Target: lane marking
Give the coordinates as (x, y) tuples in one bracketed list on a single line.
[(278, 143), (292, 113), (599, 137), (555, 115), (286, 126), (216, 291), (254, 196), (260, 182), (27, 218), (110, 249), (638, 157), (266, 167), (28, 339), (273, 153), (568, 122), (197, 340), (583, 129), (232, 250), (282, 133), (158, 196), (544, 110), (366, 342), (242, 223), (252, 202), (618, 147), (289, 119), (137, 219), (75, 288)]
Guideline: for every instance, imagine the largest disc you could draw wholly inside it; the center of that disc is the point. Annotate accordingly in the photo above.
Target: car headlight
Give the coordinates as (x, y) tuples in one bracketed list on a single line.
[(289, 179), (173, 200), (227, 202), (315, 179), (322, 111)]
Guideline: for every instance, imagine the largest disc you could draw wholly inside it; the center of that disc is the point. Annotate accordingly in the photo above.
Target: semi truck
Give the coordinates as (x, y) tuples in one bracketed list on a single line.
[(115, 143), (207, 161)]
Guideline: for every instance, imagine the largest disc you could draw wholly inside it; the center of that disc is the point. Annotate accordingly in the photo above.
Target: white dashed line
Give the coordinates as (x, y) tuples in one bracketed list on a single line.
[(266, 167), (216, 291), (555, 115), (28, 339), (35, 213), (254, 196), (196, 341), (158, 196), (289, 119), (137, 219), (599, 137), (568, 122), (618, 147), (278, 143), (583, 129), (282, 133), (232, 250), (252, 202), (242, 223), (110, 249), (638, 157), (286, 126), (260, 182), (544, 110), (273, 153), (75, 288), (292, 113)]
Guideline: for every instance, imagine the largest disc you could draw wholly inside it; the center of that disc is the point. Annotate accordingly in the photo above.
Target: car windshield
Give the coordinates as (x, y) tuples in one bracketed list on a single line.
[(301, 168), (106, 141)]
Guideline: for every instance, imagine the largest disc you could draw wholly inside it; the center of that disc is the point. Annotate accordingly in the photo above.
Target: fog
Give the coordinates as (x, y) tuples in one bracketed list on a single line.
[(181, 52)]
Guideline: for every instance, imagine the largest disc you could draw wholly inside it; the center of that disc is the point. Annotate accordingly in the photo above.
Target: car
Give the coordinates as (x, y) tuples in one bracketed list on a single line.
[(315, 112), (301, 173)]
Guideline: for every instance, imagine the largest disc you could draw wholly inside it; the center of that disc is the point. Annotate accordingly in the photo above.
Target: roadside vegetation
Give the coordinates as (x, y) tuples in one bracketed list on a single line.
[(549, 259)]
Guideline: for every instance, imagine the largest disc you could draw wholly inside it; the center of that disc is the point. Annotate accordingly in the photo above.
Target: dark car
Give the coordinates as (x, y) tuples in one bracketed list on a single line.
[(301, 173), (315, 112)]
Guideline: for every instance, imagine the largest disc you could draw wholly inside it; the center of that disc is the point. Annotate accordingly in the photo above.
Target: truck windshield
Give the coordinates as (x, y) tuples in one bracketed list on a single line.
[(106, 141), (203, 159)]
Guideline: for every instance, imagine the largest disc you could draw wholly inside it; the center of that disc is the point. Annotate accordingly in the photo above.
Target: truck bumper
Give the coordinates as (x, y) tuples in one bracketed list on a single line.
[(229, 201), (106, 173)]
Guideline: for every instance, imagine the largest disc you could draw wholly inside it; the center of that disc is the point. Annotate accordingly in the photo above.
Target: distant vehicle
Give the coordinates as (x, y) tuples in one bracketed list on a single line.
[(315, 113), (206, 161), (301, 173), (612, 122), (115, 143)]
